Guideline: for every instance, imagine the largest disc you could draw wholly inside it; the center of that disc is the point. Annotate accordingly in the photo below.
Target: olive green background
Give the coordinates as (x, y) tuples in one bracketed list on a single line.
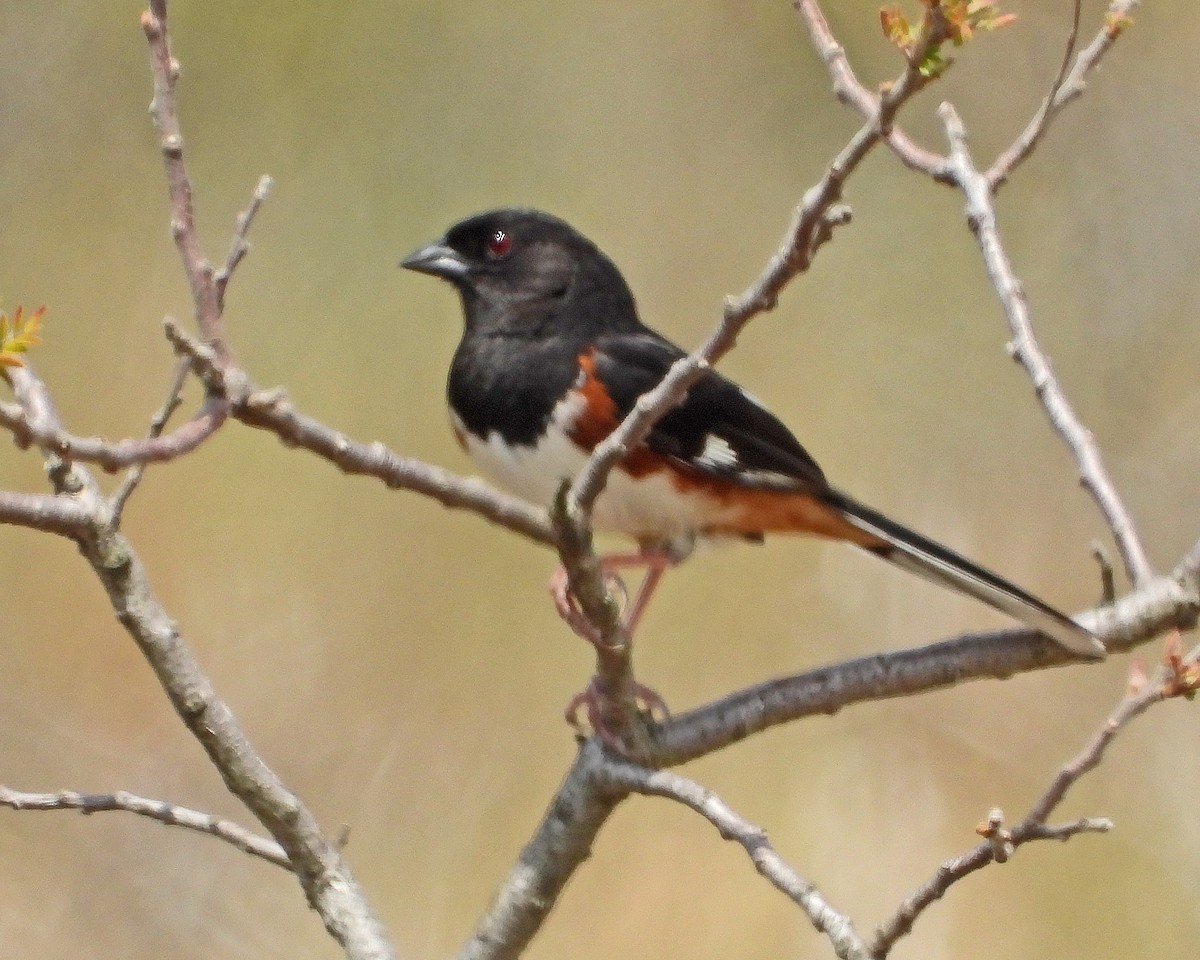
[(400, 665)]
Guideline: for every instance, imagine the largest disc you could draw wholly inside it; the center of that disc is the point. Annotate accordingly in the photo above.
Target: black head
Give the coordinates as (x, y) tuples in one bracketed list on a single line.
[(519, 270)]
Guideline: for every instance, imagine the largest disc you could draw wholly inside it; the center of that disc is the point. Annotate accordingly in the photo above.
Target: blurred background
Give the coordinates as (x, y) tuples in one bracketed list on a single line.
[(400, 665)]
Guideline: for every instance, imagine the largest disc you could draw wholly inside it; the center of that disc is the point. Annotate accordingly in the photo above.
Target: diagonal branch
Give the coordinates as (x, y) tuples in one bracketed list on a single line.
[(167, 813), (272, 411), (846, 942), (1023, 146), (1034, 826), (240, 246), (158, 423), (324, 876), (1160, 605), (981, 216), (812, 226), (561, 843), (1070, 86)]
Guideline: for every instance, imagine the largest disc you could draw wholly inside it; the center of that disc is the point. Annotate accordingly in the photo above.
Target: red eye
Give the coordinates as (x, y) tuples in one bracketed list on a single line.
[(499, 245)]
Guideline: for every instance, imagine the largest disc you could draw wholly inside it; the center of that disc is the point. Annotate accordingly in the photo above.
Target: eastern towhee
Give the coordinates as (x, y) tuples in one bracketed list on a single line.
[(553, 356)]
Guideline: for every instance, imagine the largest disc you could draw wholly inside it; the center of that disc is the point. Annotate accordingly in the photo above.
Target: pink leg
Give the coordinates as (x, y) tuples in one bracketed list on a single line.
[(655, 561)]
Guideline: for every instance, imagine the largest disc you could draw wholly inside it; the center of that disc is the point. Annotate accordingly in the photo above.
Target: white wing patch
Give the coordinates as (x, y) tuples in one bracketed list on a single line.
[(719, 457), (717, 454)]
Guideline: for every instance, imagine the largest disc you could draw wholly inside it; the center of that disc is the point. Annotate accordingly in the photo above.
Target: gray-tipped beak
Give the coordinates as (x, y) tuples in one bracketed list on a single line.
[(437, 260)]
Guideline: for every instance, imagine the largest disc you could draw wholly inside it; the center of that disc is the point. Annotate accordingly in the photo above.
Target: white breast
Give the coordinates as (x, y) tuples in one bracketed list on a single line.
[(647, 508)]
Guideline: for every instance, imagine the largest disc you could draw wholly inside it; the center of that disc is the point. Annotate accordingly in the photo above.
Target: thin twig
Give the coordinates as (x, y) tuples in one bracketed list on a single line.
[(1132, 706), (113, 455), (157, 424), (951, 871), (850, 91), (168, 813), (846, 942), (1024, 348), (239, 246), (1068, 88), (1034, 826), (1029, 138)]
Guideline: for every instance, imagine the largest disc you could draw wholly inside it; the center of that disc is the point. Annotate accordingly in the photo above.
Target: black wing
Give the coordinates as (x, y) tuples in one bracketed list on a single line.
[(721, 431), (718, 430)]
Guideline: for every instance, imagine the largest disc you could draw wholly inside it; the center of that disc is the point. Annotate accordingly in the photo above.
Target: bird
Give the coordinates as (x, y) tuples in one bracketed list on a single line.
[(554, 355)]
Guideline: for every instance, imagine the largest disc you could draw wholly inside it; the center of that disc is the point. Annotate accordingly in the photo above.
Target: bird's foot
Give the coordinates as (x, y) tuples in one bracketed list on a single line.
[(597, 708)]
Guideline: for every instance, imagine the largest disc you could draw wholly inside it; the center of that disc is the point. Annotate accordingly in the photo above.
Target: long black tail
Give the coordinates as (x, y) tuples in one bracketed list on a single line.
[(922, 556)]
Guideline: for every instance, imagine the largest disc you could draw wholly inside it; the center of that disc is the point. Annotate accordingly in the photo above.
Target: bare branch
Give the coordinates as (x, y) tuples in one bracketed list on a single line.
[(958, 170), (562, 842), (208, 294), (157, 424), (168, 813), (583, 803), (46, 512), (1069, 86), (270, 410), (846, 942), (163, 109), (811, 227), (1034, 826), (951, 871), (1132, 706), (850, 91), (112, 455), (240, 246), (1158, 606), (1065, 831), (1024, 348), (325, 878)]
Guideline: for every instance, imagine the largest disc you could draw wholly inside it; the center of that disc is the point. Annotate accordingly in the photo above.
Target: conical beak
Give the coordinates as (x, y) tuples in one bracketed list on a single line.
[(437, 260)]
